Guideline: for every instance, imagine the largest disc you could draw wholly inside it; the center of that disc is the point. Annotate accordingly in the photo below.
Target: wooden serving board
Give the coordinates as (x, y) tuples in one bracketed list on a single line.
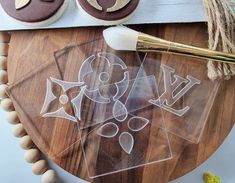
[(30, 49)]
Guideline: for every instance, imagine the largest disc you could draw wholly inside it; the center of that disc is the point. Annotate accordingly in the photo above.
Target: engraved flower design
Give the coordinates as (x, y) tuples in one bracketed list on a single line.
[(57, 91), (93, 93), (125, 139), (97, 81)]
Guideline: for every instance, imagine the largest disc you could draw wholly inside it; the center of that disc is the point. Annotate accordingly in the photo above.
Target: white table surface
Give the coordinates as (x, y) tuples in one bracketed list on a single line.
[(13, 168)]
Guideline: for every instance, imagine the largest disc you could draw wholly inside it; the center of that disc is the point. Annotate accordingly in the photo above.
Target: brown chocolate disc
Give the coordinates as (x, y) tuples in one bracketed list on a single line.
[(109, 10), (34, 11)]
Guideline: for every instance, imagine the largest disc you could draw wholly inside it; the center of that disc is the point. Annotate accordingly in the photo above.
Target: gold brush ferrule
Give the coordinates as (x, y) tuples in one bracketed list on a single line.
[(147, 43)]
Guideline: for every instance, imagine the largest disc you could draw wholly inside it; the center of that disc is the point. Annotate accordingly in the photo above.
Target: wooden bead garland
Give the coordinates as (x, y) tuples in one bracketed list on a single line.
[(18, 130), (4, 49), (32, 155), (13, 118), (39, 167), (4, 37), (3, 77), (3, 88), (49, 177), (26, 142), (7, 105), (3, 63)]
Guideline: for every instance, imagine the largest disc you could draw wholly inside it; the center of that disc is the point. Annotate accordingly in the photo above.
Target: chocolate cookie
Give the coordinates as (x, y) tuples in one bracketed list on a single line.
[(34, 11), (111, 11)]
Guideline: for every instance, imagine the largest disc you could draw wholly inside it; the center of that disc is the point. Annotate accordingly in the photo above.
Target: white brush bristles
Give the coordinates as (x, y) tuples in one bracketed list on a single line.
[(121, 38)]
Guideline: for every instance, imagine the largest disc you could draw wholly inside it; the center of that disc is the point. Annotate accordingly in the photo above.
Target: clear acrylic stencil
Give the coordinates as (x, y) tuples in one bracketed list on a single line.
[(49, 119), (137, 139), (95, 68), (186, 93), (179, 91), (115, 108), (116, 146), (119, 128)]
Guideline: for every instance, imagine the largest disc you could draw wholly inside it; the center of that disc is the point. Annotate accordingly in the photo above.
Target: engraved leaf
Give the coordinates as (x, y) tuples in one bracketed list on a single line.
[(21, 3), (108, 130), (118, 5), (126, 141), (95, 4), (137, 123), (119, 111)]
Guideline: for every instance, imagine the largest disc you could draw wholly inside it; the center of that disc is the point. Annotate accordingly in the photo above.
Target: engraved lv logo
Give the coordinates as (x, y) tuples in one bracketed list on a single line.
[(173, 92)]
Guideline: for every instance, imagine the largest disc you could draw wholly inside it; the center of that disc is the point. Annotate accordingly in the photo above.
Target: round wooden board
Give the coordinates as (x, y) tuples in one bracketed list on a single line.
[(30, 49)]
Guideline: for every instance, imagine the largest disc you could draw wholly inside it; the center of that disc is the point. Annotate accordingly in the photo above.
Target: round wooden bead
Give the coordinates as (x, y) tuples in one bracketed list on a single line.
[(3, 91), (32, 155), (13, 118), (18, 130), (26, 142), (3, 77), (49, 177), (39, 167), (4, 49), (3, 63), (7, 104), (4, 37)]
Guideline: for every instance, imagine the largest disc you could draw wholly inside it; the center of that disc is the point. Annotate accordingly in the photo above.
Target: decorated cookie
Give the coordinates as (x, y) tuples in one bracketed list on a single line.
[(35, 12), (108, 12)]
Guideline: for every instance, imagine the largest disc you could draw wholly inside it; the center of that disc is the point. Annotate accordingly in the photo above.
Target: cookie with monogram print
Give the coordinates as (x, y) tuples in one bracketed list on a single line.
[(108, 12), (35, 12)]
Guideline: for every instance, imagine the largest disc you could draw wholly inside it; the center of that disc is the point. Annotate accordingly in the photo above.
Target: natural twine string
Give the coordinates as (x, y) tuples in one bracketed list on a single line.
[(221, 30)]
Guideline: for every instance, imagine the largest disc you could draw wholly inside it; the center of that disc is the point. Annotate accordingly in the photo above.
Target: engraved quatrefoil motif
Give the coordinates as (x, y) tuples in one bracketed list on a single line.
[(63, 99), (92, 92)]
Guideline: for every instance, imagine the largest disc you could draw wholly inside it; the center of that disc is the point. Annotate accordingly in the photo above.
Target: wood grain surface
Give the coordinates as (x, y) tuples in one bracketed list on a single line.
[(29, 50)]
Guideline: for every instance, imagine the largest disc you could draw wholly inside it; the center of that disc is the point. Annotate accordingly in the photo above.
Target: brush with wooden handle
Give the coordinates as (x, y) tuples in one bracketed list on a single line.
[(123, 38)]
